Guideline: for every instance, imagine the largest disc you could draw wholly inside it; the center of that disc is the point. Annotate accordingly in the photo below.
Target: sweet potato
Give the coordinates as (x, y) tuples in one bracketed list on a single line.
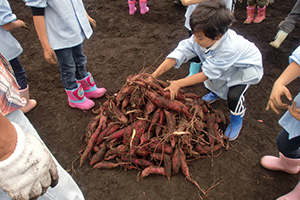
[(171, 122), (119, 133), (167, 166), (137, 161), (106, 165), (153, 170), (98, 156), (176, 161), (118, 113), (168, 103)]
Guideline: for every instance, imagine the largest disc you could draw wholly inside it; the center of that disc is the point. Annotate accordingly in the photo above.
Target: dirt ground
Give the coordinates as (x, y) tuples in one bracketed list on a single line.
[(123, 45)]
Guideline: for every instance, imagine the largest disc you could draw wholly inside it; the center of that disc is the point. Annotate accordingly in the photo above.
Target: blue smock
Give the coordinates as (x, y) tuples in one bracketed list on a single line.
[(231, 61), (9, 46), (66, 22), (287, 121)]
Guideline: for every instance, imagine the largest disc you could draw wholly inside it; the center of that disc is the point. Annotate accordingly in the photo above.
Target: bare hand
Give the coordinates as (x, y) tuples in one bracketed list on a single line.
[(275, 101), (50, 56), (92, 22), (294, 111), (173, 88)]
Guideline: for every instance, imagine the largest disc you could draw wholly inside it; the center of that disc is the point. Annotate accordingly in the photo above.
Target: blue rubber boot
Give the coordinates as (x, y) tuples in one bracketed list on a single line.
[(194, 68), (210, 97), (235, 126)]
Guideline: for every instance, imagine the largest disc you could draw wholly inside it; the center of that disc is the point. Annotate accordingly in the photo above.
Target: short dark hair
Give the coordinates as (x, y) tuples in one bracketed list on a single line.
[(212, 17)]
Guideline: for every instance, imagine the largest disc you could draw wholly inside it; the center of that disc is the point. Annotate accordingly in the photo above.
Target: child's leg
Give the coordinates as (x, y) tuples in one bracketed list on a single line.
[(289, 155), (195, 64), (22, 81), (143, 7), (20, 73), (68, 69), (83, 77), (236, 104), (250, 11), (131, 5)]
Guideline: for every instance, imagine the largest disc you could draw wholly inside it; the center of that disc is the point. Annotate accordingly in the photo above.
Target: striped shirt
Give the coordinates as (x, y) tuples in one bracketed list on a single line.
[(10, 99)]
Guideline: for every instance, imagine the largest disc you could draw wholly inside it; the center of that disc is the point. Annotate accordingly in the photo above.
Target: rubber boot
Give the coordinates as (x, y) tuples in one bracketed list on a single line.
[(194, 68), (77, 99), (210, 97), (89, 87), (234, 128), (281, 163), (279, 38), (292, 195), (31, 103), (131, 5), (250, 14), (261, 15), (143, 7)]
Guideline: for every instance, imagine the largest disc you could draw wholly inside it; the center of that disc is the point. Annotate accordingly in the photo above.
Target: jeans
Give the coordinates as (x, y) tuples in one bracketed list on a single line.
[(289, 148), (19, 73), (72, 63), (66, 189)]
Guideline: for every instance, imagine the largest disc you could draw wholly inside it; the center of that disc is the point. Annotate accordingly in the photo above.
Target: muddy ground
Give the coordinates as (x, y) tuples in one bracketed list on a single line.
[(123, 45)]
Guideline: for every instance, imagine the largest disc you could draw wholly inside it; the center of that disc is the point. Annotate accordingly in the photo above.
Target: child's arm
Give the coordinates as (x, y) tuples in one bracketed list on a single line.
[(280, 89), (14, 25), (163, 67), (91, 20), (40, 27), (190, 2)]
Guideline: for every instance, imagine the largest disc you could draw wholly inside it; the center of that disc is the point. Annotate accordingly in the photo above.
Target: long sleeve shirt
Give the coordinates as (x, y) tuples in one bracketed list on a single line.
[(287, 121), (231, 61), (9, 46), (66, 21), (10, 99)]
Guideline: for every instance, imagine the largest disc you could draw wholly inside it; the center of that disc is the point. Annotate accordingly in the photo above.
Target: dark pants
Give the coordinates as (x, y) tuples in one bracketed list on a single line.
[(289, 148), (19, 72), (236, 98), (72, 63)]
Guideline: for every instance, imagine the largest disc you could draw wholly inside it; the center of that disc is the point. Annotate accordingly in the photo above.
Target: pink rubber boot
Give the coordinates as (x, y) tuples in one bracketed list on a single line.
[(89, 87), (31, 103), (77, 99), (261, 15), (281, 163), (143, 7), (292, 195), (250, 14), (131, 5)]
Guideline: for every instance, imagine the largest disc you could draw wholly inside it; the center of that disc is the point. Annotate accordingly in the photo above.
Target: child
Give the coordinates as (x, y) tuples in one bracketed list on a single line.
[(230, 63), (62, 26), (261, 11), (288, 140), (20, 146), (11, 49), (287, 25), (143, 6), (191, 5)]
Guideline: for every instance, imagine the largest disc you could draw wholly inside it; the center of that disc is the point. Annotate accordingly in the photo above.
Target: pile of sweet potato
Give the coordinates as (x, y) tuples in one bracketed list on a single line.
[(141, 128)]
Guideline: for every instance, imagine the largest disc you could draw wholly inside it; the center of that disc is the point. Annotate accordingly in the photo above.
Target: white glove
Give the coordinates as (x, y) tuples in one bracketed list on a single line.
[(30, 170)]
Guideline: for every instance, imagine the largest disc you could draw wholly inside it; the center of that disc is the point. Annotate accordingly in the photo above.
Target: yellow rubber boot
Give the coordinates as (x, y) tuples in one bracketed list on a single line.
[(279, 38)]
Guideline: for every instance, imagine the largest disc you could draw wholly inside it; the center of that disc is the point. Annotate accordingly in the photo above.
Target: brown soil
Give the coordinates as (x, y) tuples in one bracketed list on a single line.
[(123, 45)]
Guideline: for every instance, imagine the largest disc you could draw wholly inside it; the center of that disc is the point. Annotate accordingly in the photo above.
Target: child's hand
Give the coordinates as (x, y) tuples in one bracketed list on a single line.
[(14, 25), (294, 111), (92, 22), (50, 56), (275, 98), (173, 88)]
